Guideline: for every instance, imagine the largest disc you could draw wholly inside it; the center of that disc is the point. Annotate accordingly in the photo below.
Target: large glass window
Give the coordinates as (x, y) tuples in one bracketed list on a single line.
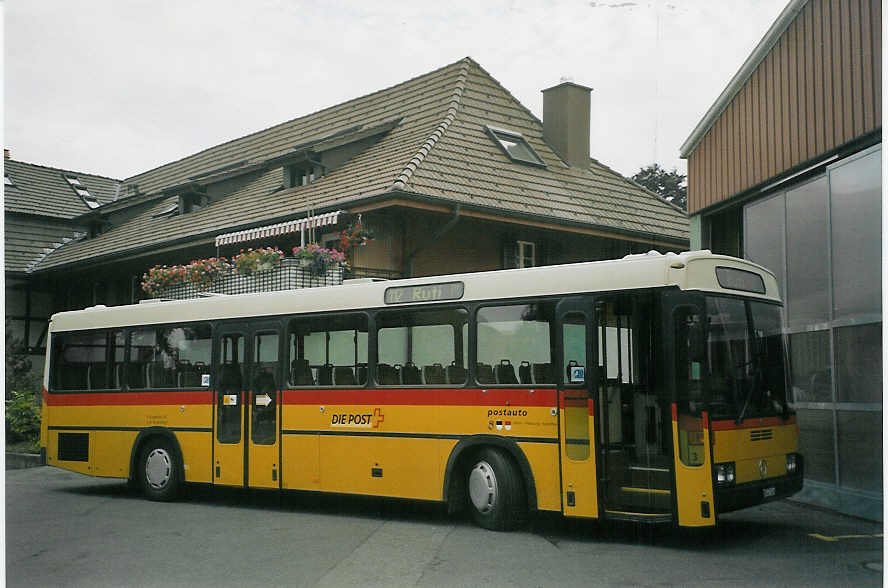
[(807, 280), (860, 458), (859, 363), (809, 360), (764, 231), (856, 215), (832, 255), (514, 344), (816, 443), (422, 347), (329, 350), (169, 357)]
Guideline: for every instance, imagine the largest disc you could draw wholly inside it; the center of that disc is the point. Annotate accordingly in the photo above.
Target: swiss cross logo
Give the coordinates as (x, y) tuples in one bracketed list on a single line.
[(378, 417)]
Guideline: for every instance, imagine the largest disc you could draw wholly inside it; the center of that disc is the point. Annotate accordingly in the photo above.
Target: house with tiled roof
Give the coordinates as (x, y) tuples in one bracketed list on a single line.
[(43, 209), (448, 170)]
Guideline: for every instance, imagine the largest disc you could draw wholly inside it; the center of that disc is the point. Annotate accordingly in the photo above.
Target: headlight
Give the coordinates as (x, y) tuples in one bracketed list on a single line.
[(724, 473), (792, 463)]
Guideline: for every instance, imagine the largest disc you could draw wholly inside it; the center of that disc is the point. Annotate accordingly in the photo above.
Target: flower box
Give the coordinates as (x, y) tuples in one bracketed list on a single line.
[(288, 275)]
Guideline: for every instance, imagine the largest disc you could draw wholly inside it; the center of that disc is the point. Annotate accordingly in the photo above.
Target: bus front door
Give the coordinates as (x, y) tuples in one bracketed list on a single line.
[(635, 463), (692, 448), (579, 493), (247, 436)]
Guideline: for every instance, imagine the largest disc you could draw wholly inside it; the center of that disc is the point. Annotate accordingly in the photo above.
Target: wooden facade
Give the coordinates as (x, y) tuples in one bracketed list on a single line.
[(818, 88)]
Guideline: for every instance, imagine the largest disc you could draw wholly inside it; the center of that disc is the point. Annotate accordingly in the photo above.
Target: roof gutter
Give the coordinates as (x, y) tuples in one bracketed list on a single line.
[(606, 231), (752, 62)]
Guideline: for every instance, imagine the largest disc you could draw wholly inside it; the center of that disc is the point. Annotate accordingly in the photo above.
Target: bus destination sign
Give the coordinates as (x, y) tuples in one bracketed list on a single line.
[(424, 293)]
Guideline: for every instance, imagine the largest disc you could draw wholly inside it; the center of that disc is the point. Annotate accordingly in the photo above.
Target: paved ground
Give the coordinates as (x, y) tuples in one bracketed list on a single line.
[(67, 529)]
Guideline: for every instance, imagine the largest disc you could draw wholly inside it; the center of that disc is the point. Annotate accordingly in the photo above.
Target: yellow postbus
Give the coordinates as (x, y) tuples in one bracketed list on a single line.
[(649, 388)]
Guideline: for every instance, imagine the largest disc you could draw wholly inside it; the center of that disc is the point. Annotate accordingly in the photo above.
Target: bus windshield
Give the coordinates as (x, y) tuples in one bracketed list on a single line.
[(738, 368)]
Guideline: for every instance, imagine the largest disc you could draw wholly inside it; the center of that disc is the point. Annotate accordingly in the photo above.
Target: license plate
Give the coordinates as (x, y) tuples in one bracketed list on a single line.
[(769, 492)]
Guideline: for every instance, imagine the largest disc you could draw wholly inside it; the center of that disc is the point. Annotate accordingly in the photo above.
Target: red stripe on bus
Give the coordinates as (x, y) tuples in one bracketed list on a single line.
[(752, 423), (400, 396), (130, 398), (423, 396)]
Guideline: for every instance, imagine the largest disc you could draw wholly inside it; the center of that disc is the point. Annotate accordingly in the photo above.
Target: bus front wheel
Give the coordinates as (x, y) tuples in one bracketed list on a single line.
[(158, 471), (495, 491)]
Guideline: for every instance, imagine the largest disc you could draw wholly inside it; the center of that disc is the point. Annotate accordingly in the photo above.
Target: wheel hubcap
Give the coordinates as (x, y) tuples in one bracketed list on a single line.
[(482, 486), (158, 468)]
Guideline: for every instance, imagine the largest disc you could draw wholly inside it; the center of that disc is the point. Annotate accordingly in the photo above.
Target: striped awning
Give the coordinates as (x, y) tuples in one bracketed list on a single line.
[(293, 226)]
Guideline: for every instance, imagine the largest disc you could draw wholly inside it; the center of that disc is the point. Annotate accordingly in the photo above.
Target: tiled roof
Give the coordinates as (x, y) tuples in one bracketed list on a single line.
[(439, 150), (465, 165), (43, 191), (28, 238)]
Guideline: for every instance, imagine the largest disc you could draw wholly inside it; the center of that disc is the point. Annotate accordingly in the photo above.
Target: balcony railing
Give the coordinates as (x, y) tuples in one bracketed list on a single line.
[(289, 275)]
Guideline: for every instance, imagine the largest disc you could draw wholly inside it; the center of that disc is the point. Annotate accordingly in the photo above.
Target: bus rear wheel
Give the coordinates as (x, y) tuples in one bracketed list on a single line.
[(158, 472), (495, 491)]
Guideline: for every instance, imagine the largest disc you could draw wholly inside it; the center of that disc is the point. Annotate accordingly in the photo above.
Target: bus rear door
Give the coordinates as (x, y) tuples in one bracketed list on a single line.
[(246, 443)]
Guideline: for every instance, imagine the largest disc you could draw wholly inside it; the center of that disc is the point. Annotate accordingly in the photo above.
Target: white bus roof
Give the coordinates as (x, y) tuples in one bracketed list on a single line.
[(694, 270)]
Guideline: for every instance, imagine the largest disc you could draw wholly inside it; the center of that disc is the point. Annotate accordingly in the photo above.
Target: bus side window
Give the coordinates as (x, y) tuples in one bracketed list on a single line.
[(81, 360), (514, 343), (422, 343), (169, 357), (328, 350)]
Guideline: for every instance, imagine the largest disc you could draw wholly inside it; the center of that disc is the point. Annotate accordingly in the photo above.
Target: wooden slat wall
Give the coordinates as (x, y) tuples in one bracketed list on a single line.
[(818, 88)]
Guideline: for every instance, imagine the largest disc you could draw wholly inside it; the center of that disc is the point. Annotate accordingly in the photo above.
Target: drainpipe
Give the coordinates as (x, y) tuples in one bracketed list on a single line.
[(438, 234)]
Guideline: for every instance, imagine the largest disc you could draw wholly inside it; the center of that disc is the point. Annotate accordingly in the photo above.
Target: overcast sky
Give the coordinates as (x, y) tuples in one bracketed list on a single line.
[(117, 87)]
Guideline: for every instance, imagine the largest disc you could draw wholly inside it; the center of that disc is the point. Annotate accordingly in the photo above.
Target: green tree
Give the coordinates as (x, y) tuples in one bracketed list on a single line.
[(670, 185)]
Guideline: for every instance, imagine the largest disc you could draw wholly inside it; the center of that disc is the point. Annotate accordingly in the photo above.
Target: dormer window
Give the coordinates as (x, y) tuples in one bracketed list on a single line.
[(515, 146), (191, 202), (304, 173), (98, 227), (7, 181)]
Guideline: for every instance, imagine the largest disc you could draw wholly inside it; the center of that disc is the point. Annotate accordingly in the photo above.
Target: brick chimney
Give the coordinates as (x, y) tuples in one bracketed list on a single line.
[(566, 109), (6, 154)]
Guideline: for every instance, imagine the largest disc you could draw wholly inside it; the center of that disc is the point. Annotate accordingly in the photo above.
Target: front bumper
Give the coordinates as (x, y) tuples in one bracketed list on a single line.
[(729, 498)]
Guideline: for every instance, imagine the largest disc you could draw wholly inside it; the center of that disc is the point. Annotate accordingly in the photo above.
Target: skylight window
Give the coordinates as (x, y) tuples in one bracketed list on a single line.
[(171, 209), (515, 146), (81, 190), (7, 181)]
